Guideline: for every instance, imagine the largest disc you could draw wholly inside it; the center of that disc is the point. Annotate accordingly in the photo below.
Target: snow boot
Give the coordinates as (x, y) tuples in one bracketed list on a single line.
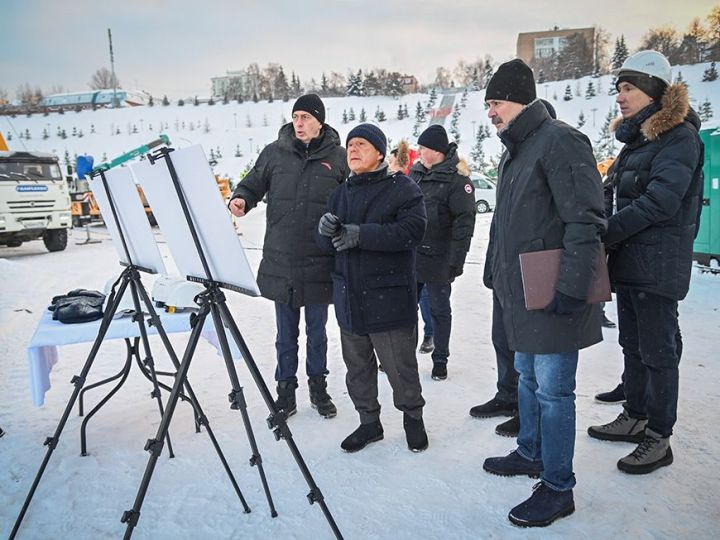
[(286, 397), (439, 371), (544, 506), (417, 439), (513, 465), (509, 428), (427, 346), (607, 323), (616, 395), (319, 398), (652, 453), (624, 428), (363, 436), (493, 408)]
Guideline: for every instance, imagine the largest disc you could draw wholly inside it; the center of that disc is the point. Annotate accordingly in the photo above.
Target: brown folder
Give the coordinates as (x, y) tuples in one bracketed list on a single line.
[(540, 271)]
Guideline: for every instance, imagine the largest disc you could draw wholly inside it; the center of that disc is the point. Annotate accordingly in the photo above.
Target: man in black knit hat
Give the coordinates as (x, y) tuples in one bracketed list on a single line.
[(549, 196), (297, 173), (450, 204)]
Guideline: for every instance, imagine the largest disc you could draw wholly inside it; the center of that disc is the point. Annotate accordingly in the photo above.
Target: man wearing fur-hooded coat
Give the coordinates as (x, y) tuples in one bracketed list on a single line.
[(653, 200)]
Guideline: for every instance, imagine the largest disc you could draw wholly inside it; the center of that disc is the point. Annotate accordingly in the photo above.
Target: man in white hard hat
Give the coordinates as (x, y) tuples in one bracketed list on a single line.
[(656, 183)]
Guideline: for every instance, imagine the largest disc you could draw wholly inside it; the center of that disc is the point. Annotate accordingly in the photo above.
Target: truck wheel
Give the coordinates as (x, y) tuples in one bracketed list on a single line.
[(55, 239), (14, 243)]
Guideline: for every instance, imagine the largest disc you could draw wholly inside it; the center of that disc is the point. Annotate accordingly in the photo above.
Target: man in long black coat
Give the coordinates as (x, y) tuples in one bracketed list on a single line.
[(297, 173), (549, 196), (450, 207)]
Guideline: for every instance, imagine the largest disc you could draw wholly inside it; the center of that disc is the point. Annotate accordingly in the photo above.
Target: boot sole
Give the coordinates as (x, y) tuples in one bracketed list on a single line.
[(506, 433), (605, 402), (493, 414), (374, 439), (637, 438), (650, 467), (508, 474), (330, 415), (526, 524), (438, 378)]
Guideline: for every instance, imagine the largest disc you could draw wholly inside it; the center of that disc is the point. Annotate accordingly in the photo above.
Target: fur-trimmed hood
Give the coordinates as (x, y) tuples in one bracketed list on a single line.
[(674, 110)]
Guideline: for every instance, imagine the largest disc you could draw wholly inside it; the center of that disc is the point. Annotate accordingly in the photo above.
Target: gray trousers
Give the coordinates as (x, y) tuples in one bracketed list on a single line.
[(395, 350)]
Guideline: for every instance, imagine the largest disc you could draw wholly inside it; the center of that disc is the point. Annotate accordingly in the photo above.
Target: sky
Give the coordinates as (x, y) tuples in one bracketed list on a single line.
[(175, 47)]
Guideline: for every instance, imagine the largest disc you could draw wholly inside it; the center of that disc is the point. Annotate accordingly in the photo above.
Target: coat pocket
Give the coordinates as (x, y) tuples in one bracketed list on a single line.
[(387, 298), (341, 300)]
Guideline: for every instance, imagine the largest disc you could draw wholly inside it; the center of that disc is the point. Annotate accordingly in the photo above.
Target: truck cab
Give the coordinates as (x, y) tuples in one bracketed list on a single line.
[(34, 200)]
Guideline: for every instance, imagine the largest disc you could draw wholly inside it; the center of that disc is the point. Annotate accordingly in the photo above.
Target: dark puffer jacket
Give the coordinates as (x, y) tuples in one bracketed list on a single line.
[(450, 207), (298, 182), (549, 196), (657, 181), (375, 287)]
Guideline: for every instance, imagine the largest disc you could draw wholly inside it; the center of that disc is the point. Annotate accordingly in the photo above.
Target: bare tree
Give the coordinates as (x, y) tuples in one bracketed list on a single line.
[(664, 39), (57, 89), (103, 79), (24, 94), (601, 53)]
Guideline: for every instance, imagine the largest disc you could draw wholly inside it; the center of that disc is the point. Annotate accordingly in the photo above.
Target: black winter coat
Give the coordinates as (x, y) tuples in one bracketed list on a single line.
[(657, 183), (375, 288), (450, 206), (549, 196), (298, 182)]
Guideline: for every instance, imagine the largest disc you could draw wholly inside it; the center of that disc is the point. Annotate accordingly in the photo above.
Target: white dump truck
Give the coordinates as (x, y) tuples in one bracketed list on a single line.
[(34, 200)]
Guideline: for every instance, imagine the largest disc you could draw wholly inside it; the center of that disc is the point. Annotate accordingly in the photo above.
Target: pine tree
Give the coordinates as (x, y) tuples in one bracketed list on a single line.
[(355, 86), (488, 72), (27, 134), (9, 136), (432, 99), (363, 115), (74, 132), (620, 54), (134, 129), (196, 102), (463, 98), (605, 145), (165, 101), (151, 102), (477, 154), (206, 126), (344, 117), (419, 119), (45, 134), (92, 128), (405, 111), (705, 112), (324, 85), (80, 134), (590, 90), (379, 115), (181, 102), (211, 101), (265, 120), (710, 74), (400, 112), (104, 157), (238, 153), (226, 99), (218, 153), (351, 115), (454, 124), (248, 122), (568, 93), (581, 120), (680, 80)]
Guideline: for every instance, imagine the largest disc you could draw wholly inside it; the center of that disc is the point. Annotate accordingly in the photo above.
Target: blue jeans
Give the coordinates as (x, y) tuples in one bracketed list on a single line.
[(546, 401), (287, 319), (441, 315), (425, 312)]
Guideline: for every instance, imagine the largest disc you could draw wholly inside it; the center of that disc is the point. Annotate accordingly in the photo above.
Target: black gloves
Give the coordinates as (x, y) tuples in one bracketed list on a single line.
[(349, 237), (562, 304), (329, 225)]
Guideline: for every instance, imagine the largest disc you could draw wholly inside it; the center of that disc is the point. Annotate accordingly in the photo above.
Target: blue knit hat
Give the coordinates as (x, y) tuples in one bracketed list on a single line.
[(370, 133)]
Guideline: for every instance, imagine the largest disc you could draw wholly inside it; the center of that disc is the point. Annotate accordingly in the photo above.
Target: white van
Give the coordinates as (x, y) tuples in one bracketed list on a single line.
[(484, 193)]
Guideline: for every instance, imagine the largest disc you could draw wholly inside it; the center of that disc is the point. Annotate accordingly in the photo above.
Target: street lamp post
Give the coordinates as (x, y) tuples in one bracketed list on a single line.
[(250, 141), (473, 125), (235, 118), (593, 111)]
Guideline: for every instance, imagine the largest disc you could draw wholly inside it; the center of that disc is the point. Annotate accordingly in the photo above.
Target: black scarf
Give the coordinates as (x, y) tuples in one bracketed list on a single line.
[(629, 129)]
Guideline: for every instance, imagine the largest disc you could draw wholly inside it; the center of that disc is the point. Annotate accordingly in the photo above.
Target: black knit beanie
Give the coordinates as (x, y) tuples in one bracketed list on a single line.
[(513, 81), (652, 86), (435, 138), (312, 104), (370, 133)]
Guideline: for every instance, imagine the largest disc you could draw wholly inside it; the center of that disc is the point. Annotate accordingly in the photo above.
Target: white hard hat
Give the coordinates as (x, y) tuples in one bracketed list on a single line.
[(650, 63)]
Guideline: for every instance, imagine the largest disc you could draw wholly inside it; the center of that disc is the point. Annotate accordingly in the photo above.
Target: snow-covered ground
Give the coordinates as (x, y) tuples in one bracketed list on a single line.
[(382, 492)]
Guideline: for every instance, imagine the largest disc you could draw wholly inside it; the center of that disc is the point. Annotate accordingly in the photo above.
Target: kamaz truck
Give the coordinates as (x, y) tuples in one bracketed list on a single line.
[(34, 200)]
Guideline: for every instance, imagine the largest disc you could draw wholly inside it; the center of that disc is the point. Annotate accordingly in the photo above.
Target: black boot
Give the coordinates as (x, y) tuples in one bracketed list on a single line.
[(286, 397), (319, 398), (616, 395), (509, 428), (417, 439), (493, 408), (363, 436)]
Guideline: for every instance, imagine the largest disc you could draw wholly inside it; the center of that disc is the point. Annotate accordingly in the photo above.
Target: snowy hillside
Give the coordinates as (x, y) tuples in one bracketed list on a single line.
[(225, 127)]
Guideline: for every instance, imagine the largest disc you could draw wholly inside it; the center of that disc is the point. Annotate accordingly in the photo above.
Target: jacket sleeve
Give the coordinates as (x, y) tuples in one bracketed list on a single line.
[(671, 173), (463, 212), (487, 271), (408, 229), (576, 189), (323, 242), (257, 182)]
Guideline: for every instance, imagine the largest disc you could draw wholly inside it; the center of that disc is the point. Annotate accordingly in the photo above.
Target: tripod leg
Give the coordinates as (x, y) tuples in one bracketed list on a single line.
[(78, 381), (278, 419), (237, 401), (149, 362), (124, 374)]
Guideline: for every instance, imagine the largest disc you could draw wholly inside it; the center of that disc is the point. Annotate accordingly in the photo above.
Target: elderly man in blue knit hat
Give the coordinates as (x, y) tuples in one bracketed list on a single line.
[(373, 224)]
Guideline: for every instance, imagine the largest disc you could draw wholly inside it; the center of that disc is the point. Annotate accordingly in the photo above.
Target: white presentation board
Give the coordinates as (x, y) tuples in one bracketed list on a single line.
[(211, 217), (134, 222)]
